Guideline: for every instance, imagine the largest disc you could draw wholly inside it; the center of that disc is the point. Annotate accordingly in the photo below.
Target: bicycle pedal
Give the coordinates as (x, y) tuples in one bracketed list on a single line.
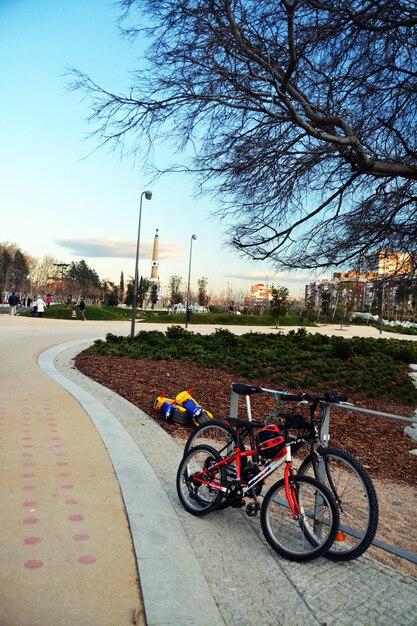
[(252, 510)]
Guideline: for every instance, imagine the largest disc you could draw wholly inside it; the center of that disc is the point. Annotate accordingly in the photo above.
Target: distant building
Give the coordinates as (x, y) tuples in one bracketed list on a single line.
[(387, 280), (314, 291), (155, 274), (386, 263), (260, 295), (155, 262)]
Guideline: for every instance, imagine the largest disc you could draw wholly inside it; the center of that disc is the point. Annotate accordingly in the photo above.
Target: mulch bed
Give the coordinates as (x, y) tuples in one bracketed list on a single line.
[(378, 442)]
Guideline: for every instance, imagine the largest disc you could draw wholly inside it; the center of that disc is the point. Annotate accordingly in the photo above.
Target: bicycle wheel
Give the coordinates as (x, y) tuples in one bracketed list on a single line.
[(198, 498), (311, 533), (355, 496), (216, 434)]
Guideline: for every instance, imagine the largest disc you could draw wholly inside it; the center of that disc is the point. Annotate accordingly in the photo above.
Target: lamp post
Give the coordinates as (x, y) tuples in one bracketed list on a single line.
[(187, 310), (381, 315), (148, 196)]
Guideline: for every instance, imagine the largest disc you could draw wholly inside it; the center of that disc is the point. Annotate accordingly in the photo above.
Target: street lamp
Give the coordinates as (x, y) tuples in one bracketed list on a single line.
[(148, 196), (187, 310), (382, 297)]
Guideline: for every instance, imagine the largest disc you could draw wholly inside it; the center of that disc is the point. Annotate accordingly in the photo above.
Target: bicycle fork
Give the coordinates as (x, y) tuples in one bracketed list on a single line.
[(290, 491)]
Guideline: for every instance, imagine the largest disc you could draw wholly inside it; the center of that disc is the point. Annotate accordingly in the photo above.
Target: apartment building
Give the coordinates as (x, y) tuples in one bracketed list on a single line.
[(386, 281)]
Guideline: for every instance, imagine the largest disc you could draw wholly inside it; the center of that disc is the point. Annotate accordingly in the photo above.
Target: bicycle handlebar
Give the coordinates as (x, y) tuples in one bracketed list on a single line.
[(247, 390)]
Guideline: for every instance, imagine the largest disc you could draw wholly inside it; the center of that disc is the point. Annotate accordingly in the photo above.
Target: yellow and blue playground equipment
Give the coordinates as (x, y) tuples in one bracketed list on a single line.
[(173, 413), (183, 410)]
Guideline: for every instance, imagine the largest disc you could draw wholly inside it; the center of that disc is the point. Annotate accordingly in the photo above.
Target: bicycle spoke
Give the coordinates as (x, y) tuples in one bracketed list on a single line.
[(196, 497), (306, 535)]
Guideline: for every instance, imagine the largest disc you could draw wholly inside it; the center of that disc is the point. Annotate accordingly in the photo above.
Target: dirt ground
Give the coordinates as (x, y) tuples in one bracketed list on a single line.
[(378, 442)]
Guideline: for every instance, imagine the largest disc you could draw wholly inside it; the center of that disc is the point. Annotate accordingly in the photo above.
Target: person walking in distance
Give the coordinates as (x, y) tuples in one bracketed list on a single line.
[(40, 303), (82, 308), (13, 301)]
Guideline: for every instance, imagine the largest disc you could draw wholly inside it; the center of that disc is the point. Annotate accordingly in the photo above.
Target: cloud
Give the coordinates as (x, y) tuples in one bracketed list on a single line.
[(270, 277), (111, 247)]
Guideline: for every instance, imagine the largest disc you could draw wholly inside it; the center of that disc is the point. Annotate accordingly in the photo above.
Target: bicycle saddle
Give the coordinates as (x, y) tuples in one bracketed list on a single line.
[(245, 390)]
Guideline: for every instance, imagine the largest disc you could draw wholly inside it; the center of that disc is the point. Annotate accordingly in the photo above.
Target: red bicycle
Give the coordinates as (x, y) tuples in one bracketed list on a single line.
[(347, 479), (299, 516)]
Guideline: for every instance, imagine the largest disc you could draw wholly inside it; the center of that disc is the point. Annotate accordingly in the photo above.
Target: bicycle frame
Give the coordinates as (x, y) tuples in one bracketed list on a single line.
[(319, 437), (266, 471)]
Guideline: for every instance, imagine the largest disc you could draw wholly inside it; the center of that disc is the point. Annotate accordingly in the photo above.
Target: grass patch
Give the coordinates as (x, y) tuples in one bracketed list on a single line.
[(104, 313), (60, 311), (221, 319)]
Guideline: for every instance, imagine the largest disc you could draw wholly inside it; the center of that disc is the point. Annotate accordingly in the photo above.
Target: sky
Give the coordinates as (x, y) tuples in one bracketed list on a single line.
[(61, 196)]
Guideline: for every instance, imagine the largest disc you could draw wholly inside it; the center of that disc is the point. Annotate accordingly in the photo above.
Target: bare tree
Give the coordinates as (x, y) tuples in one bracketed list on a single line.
[(301, 115), (203, 296), (45, 274), (14, 268), (175, 289)]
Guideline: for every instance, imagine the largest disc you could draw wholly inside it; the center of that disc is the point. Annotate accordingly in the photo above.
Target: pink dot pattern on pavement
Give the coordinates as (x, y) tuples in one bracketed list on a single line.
[(31, 541), (33, 564), (87, 560), (81, 537), (31, 445)]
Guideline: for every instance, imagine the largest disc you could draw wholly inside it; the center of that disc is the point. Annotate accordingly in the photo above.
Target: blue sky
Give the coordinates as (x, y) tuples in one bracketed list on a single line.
[(59, 195)]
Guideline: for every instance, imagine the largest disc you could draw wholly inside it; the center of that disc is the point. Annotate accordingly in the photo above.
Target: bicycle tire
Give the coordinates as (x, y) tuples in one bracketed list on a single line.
[(356, 498), (308, 536), (216, 434), (199, 499)]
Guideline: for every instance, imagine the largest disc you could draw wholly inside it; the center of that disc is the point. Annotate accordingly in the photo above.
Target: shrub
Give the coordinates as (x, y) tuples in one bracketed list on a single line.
[(406, 355), (222, 336), (176, 332), (342, 350)]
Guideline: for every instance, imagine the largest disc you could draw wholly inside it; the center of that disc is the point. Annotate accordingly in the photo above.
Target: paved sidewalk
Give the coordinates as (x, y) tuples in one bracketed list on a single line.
[(66, 552), (224, 558), (88, 496)]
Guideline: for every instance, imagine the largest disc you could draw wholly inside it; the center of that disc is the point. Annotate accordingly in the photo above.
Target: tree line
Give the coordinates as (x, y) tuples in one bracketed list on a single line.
[(28, 275)]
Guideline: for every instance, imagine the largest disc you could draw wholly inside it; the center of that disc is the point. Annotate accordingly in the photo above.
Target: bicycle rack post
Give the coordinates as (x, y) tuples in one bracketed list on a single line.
[(234, 404), (324, 439), (325, 424)]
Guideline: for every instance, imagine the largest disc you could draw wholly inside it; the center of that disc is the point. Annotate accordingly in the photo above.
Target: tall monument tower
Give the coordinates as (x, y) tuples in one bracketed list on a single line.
[(155, 263)]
